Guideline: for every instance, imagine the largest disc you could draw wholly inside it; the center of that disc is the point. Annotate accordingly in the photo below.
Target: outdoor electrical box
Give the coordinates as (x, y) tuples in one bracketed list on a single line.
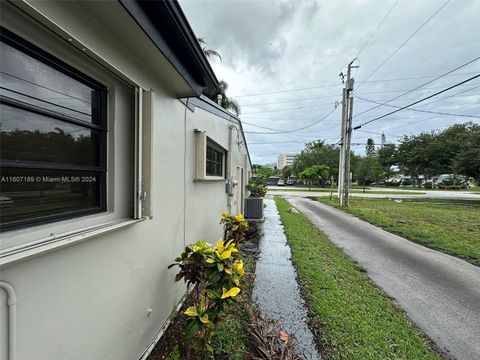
[(229, 187), (349, 84)]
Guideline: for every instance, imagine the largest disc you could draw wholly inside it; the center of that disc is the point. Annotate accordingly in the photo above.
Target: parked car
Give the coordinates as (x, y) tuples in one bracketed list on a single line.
[(281, 182), (273, 180), (290, 182)]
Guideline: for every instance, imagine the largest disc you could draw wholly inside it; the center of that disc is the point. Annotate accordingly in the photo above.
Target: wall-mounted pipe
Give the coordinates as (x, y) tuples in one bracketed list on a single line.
[(12, 315)]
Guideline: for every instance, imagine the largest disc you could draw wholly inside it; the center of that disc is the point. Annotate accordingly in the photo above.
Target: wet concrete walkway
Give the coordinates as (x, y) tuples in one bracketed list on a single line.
[(275, 288)]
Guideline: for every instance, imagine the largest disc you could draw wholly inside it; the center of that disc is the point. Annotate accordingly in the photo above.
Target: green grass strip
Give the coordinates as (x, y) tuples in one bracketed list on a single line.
[(448, 225), (357, 320)]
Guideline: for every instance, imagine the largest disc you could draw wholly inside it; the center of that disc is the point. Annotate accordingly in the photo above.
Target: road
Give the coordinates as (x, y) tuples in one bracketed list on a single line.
[(391, 193), (439, 292)]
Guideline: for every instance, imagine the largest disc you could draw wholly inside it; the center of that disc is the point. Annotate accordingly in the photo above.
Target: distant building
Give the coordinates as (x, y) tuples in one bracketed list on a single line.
[(271, 166), (285, 160)]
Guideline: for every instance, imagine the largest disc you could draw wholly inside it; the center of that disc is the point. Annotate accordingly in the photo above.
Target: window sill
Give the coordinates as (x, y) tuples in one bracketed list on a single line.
[(210, 178), (55, 242)]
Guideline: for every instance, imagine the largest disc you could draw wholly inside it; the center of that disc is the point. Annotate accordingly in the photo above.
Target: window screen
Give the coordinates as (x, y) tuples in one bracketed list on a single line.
[(52, 137)]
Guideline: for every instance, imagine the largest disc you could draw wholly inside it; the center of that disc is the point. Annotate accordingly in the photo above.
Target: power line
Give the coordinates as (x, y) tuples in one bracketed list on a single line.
[(379, 133), (287, 109), (420, 86), (466, 106), (440, 87), (406, 41), (261, 127), (294, 130), (334, 85), (450, 96), (419, 110), (282, 101), (277, 142), (377, 28), (411, 78), (416, 102), (288, 90)]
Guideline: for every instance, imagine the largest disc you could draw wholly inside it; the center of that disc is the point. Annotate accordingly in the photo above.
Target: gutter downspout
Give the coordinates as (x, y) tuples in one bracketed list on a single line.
[(229, 168), (12, 314)]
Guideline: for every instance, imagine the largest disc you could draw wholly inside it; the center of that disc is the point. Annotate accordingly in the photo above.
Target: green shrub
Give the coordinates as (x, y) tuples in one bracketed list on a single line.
[(257, 190), (216, 271), (235, 227)]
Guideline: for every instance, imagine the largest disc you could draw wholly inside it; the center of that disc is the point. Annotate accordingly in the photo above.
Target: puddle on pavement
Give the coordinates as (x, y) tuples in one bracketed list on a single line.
[(275, 288)]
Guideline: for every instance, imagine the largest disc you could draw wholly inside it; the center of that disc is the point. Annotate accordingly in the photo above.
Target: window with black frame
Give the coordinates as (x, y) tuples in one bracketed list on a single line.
[(214, 159), (52, 137)]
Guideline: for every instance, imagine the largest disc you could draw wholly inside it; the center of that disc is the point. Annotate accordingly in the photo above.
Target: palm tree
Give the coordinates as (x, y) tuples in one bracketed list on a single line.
[(225, 102), (208, 52), (213, 94)]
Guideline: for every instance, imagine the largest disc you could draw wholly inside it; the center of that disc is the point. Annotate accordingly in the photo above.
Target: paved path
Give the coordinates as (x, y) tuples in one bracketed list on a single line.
[(390, 193), (439, 292), (275, 288)]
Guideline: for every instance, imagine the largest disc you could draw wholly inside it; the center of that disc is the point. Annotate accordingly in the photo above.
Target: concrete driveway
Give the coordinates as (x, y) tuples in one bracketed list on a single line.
[(439, 292)]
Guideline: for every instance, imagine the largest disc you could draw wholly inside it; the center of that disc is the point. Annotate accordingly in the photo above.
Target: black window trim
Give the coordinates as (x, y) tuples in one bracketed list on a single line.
[(217, 147), (43, 56)]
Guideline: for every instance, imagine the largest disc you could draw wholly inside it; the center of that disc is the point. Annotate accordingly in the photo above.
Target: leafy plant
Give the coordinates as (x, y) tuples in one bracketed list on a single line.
[(235, 226), (256, 189), (258, 183), (174, 355), (216, 272)]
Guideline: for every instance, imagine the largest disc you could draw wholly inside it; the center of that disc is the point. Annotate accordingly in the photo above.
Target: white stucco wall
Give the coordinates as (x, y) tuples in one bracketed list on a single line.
[(89, 300)]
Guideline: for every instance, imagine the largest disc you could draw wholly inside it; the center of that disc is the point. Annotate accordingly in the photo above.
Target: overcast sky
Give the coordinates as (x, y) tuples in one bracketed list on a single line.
[(273, 50)]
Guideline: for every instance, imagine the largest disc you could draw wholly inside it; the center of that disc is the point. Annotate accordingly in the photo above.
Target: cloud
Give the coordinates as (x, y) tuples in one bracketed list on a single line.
[(247, 33), (271, 46)]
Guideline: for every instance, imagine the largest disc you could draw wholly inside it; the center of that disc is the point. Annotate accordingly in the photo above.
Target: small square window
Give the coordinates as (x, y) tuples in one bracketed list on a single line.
[(215, 160)]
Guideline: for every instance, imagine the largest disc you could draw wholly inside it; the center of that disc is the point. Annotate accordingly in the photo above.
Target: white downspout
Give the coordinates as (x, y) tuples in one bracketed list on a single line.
[(12, 314), (229, 167)]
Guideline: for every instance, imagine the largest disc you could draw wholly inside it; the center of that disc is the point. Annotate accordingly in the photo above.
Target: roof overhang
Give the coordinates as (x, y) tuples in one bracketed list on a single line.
[(166, 25)]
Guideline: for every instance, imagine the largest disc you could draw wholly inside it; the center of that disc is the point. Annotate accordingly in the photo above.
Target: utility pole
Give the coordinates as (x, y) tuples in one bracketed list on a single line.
[(342, 141), (346, 138)]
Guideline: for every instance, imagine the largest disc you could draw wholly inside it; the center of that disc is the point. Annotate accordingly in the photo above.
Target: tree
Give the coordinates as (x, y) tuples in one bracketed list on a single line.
[(261, 171), (421, 155), (315, 172), (461, 144), (225, 102), (368, 170), (208, 52), (221, 88), (387, 157), (370, 147), (317, 152), (287, 171)]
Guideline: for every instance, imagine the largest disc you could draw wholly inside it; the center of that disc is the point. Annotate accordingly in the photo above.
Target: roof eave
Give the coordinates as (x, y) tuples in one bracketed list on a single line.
[(167, 27)]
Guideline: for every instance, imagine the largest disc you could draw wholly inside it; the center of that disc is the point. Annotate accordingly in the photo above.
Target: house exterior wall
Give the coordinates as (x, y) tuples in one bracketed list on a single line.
[(91, 298)]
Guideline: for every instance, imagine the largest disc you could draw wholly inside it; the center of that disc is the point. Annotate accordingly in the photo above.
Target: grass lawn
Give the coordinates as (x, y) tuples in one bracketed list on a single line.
[(450, 226), (357, 320), (356, 191)]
